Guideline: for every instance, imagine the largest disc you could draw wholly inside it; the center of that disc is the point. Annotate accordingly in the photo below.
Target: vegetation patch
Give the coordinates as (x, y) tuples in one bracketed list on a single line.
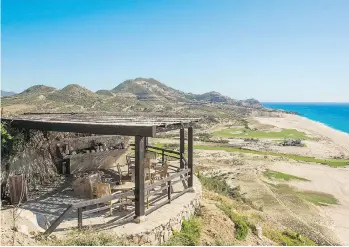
[(241, 224), (315, 197), (318, 198), (247, 132), (86, 238), (287, 237), (189, 234), (282, 176), (219, 185), (330, 162)]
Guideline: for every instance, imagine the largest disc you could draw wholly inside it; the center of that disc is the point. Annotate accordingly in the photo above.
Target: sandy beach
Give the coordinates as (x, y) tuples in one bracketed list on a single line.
[(331, 141)]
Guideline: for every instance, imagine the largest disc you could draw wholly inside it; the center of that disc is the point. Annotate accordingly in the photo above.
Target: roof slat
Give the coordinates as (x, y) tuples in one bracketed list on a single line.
[(97, 124)]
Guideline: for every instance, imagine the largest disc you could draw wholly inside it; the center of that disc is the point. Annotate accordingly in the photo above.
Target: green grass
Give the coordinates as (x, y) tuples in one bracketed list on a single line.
[(282, 176), (315, 197), (330, 162), (247, 133), (318, 198), (189, 234), (287, 237), (241, 224)]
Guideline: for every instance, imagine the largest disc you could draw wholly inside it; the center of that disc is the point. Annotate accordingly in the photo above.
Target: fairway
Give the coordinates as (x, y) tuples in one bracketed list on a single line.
[(330, 162), (282, 176), (247, 133)]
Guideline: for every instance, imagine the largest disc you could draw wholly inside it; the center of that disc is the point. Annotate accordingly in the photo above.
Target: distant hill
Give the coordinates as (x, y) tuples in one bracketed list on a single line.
[(104, 92), (6, 93), (214, 97), (148, 89), (38, 89)]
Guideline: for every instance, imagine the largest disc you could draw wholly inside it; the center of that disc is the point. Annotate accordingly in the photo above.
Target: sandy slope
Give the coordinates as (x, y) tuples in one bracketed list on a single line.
[(334, 181)]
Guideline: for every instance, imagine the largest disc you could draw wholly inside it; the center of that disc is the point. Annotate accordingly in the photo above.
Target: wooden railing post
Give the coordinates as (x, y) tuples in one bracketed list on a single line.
[(169, 183), (80, 218), (163, 157), (181, 148), (190, 156)]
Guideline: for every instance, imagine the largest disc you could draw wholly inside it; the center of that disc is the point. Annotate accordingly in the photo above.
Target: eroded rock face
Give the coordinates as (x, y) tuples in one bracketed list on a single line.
[(34, 221)]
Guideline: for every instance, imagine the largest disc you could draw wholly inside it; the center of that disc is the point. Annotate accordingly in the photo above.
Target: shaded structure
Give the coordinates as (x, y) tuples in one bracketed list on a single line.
[(141, 128)]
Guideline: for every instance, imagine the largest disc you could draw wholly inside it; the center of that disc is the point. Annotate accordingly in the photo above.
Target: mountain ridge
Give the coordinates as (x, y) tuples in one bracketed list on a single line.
[(134, 95)]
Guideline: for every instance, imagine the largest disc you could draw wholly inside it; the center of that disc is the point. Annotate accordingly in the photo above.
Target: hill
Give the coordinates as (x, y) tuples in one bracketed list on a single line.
[(74, 94), (149, 89), (38, 89), (6, 93)]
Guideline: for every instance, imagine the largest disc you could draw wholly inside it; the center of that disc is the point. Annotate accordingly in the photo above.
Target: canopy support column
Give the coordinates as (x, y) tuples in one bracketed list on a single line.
[(190, 156), (139, 178)]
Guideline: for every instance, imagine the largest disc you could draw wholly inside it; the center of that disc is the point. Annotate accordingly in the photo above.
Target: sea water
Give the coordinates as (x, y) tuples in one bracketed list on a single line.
[(335, 115)]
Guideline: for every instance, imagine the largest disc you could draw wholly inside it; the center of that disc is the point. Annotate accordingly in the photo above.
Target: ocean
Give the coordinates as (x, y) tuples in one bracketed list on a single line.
[(335, 115)]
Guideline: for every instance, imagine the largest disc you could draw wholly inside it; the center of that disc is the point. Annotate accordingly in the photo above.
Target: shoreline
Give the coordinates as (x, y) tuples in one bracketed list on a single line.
[(294, 112), (324, 124)]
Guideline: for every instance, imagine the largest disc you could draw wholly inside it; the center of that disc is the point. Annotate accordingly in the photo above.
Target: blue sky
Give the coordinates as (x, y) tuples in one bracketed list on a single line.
[(281, 50)]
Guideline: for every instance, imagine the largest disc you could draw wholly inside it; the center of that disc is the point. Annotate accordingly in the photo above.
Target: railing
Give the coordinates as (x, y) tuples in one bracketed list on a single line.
[(166, 183), (80, 205), (163, 152)]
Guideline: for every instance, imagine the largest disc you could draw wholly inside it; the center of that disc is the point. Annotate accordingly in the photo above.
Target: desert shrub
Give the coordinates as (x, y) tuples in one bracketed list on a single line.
[(5, 136), (219, 185), (189, 234), (241, 224), (287, 237)]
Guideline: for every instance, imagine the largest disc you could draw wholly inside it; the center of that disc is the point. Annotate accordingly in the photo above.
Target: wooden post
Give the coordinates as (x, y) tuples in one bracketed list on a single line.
[(181, 147), (80, 218), (139, 178), (169, 191), (145, 143), (18, 188), (163, 157), (190, 156)]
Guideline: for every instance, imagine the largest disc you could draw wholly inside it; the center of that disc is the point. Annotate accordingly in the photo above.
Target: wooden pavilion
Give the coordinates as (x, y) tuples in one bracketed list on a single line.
[(141, 128)]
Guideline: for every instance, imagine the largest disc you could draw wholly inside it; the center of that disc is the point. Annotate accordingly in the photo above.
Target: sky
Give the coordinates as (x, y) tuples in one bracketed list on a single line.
[(271, 50)]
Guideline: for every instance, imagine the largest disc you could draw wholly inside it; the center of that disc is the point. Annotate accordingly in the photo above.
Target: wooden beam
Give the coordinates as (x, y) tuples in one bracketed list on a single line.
[(80, 218), (58, 220), (84, 127), (139, 177), (190, 156), (163, 149), (181, 147)]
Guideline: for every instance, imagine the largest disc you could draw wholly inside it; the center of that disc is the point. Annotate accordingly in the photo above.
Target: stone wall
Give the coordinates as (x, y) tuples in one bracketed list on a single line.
[(170, 216)]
